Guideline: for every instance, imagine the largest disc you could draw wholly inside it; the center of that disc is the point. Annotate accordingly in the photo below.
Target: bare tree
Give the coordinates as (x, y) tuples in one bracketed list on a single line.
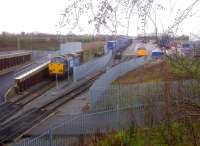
[(115, 15)]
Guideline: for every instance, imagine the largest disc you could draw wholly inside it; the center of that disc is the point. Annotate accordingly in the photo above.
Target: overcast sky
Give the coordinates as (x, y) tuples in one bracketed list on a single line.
[(43, 16), (30, 15)]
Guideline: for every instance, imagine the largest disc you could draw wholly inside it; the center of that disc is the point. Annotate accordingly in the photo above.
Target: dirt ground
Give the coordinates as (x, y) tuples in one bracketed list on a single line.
[(151, 72), (93, 45)]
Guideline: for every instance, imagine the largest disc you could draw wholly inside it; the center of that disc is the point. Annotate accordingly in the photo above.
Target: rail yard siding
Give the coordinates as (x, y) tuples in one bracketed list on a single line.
[(91, 67), (102, 84)]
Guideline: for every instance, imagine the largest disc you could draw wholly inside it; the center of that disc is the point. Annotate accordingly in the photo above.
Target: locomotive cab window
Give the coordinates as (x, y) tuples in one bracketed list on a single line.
[(57, 60)]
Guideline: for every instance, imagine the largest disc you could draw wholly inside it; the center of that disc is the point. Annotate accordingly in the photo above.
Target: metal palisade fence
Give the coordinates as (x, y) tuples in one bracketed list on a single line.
[(117, 110), (86, 126), (91, 67), (99, 87), (133, 95)]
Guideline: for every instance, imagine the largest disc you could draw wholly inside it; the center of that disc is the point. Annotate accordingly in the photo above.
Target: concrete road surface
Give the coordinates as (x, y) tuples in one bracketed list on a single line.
[(130, 51)]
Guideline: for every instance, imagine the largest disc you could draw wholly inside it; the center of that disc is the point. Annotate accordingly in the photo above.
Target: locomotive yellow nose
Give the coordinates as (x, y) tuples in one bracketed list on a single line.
[(56, 68), (141, 52)]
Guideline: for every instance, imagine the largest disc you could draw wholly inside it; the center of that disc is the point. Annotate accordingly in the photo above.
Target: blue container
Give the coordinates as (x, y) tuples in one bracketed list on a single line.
[(156, 54), (187, 45), (111, 45)]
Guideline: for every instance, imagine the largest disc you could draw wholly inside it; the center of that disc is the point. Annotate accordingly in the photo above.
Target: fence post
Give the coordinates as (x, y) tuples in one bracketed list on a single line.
[(50, 137), (74, 74), (118, 120)]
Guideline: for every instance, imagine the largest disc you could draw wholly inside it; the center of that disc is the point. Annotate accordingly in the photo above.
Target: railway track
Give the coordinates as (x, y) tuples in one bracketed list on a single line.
[(17, 127), (9, 109), (117, 61)]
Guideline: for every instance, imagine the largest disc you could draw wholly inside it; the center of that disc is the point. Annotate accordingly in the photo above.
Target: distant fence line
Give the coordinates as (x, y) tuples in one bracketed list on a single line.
[(91, 67), (112, 74)]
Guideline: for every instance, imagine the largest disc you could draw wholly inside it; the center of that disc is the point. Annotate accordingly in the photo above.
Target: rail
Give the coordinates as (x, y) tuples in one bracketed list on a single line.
[(20, 125), (7, 110)]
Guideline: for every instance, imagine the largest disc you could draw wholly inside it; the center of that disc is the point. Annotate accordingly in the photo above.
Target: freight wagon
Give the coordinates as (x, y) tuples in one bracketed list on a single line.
[(187, 49), (9, 61), (118, 44), (32, 77)]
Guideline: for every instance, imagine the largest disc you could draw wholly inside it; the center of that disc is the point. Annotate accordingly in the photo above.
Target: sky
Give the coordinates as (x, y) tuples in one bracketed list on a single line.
[(30, 15), (43, 15)]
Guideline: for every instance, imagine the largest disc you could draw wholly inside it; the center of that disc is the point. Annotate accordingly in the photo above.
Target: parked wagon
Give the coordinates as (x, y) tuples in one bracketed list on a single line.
[(32, 77), (118, 44), (187, 49), (9, 61), (111, 45)]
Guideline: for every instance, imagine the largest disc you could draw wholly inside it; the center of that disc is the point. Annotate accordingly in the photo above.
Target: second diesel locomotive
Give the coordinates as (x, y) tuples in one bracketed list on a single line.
[(141, 52)]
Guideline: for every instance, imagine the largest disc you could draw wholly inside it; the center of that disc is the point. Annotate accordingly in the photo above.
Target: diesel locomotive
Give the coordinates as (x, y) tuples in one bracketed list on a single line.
[(62, 65)]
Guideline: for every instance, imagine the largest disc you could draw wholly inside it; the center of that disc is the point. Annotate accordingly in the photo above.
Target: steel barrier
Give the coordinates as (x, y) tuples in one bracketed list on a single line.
[(86, 125), (136, 94), (92, 66), (128, 112), (99, 87)]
